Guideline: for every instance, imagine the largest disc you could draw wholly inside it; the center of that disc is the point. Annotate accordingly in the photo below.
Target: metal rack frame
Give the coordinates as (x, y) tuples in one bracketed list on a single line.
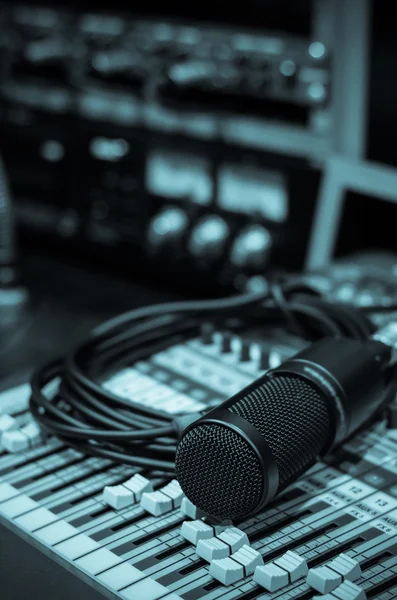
[(342, 175)]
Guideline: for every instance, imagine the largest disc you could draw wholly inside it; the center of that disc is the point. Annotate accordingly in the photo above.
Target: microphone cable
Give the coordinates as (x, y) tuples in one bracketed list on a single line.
[(86, 416)]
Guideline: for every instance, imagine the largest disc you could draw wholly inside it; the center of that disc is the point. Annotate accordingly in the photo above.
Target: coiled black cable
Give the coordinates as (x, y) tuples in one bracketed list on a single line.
[(93, 420)]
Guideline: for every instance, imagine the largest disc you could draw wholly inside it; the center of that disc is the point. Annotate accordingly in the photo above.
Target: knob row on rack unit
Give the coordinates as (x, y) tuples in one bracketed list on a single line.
[(210, 238)]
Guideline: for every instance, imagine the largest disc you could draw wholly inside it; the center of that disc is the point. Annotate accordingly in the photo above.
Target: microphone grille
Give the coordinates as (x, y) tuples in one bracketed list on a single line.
[(213, 465), (293, 417), (220, 472)]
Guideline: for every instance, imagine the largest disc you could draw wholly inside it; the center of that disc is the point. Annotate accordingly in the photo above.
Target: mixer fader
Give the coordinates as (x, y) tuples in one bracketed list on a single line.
[(131, 535)]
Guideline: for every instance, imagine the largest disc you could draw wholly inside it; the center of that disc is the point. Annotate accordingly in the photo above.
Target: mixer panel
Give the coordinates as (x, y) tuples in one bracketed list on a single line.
[(343, 512)]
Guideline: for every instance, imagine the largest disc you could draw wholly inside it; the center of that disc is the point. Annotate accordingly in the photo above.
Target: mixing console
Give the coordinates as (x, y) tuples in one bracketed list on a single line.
[(332, 535)]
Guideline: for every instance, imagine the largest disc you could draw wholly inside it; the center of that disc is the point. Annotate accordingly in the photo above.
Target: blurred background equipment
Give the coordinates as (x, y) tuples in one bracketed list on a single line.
[(357, 205), (184, 142), (7, 231)]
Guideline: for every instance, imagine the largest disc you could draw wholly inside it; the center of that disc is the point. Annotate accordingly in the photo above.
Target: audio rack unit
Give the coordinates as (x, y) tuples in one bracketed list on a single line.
[(195, 133)]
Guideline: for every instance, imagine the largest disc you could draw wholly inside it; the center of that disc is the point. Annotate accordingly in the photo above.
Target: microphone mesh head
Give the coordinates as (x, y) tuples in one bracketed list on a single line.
[(293, 417), (214, 464), (221, 474)]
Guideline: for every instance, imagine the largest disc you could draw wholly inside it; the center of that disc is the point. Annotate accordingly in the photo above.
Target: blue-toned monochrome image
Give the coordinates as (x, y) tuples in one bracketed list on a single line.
[(198, 300)]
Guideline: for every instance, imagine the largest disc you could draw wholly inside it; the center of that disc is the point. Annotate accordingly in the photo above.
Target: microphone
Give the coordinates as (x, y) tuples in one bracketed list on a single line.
[(237, 457)]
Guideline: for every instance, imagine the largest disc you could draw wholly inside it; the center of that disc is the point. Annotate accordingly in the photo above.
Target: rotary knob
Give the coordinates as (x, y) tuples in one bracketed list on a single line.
[(167, 227), (209, 237), (251, 248)]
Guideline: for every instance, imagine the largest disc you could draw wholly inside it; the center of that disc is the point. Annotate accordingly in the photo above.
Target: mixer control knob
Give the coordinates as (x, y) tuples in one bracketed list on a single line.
[(209, 237), (245, 351), (263, 359), (167, 227), (251, 248), (207, 333), (226, 342)]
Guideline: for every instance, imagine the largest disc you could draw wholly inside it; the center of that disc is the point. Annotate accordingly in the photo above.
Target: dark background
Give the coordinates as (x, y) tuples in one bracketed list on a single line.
[(382, 122)]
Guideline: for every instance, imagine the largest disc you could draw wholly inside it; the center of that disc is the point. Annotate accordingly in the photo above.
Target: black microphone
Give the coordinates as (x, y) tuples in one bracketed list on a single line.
[(236, 458)]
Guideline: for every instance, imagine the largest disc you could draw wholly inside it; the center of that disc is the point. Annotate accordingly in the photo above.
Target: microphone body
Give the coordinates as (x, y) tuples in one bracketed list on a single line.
[(236, 458)]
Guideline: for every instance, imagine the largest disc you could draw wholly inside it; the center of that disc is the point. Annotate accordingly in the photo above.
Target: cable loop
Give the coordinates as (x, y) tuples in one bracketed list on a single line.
[(95, 421)]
